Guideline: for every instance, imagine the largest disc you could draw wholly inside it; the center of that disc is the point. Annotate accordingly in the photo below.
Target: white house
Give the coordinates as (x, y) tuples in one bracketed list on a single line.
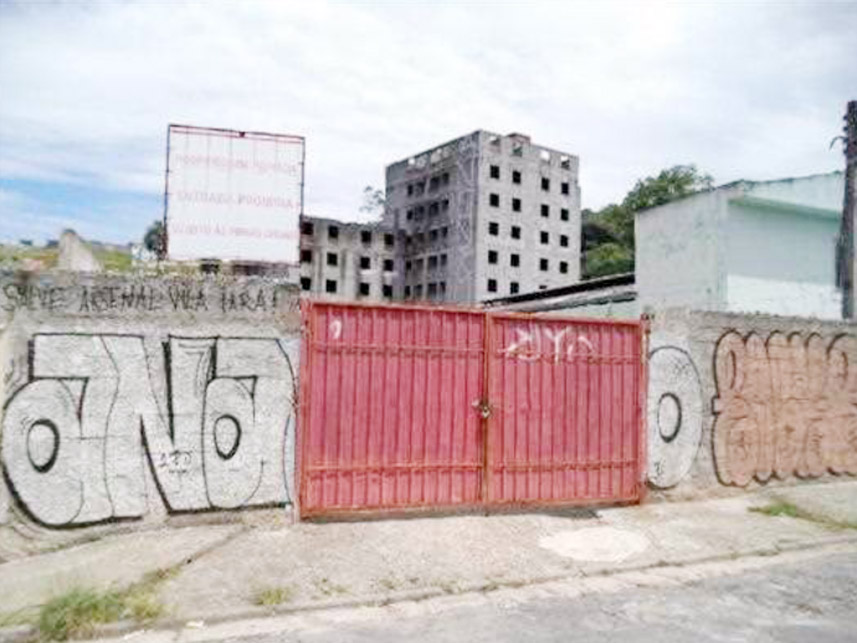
[(767, 246)]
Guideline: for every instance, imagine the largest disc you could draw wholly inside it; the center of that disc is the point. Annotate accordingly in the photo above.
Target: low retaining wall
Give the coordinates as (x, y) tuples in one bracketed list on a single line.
[(738, 401), (131, 402)]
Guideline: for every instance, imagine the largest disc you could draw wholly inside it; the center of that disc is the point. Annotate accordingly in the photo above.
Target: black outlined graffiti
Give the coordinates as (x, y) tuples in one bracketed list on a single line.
[(674, 415), (78, 436)]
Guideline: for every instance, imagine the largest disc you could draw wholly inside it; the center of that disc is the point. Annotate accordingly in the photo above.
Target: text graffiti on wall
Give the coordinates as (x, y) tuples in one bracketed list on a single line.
[(78, 437), (554, 344), (784, 407)]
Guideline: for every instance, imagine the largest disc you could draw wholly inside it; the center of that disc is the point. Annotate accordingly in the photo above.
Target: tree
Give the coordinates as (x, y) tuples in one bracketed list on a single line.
[(670, 184), (373, 201), (155, 239), (615, 255)]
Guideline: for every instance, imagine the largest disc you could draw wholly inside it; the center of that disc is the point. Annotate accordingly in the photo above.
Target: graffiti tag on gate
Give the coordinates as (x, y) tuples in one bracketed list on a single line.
[(79, 437), (547, 343)]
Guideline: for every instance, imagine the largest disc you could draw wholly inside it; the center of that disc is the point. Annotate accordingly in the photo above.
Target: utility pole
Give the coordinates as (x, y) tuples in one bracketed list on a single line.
[(846, 245)]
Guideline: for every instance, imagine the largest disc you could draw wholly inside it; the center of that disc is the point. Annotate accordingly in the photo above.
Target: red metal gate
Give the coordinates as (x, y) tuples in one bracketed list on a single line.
[(414, 407), (566, 423)]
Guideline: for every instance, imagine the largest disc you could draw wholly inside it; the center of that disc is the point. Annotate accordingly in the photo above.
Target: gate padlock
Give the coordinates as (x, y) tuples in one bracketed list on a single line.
[(483, 407)]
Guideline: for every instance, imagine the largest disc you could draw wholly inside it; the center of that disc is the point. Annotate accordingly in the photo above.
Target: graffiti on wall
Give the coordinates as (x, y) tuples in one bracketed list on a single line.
[(674, 415), (92, 424), (553, 344), (786, 406)]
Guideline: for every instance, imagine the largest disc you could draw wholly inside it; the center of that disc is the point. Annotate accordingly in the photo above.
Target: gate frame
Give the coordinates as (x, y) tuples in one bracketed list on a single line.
[(485, 504)]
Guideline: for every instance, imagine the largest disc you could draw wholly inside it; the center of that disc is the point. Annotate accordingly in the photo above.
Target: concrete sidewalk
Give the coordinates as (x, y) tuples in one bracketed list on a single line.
[(227, 572)]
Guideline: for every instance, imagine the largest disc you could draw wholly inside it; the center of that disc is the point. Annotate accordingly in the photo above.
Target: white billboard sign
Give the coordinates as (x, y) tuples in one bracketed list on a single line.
[(233, 195)]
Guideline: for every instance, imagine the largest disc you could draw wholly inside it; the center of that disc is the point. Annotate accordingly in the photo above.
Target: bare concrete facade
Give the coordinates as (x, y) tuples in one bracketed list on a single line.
[(347, 260), (483, 216)]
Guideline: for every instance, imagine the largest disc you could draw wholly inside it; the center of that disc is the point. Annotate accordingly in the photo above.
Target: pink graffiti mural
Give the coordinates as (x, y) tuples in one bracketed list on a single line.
[(784, 407)]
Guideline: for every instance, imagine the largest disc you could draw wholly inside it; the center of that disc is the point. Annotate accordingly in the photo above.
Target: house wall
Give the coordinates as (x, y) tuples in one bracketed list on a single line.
[(678, 256), (781, 248), (745, 401), (131, 402)]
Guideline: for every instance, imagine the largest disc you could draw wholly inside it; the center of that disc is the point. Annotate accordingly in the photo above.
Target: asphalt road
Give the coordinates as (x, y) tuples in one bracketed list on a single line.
[(798, 600)]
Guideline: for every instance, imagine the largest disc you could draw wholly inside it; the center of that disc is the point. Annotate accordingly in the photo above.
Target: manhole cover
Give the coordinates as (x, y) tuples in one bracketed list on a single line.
[(603, 544)]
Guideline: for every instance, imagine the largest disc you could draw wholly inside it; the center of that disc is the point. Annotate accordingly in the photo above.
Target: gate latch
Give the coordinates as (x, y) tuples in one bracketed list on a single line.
[(483, 407)]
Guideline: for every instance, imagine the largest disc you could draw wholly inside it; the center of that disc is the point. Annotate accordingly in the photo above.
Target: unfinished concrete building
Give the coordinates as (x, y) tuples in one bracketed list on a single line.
[(347, 260), (484, 216)]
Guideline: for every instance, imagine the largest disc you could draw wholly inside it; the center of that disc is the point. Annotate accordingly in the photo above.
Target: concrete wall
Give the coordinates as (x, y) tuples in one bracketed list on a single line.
[(741, 401), (133, 402), (679, 253)]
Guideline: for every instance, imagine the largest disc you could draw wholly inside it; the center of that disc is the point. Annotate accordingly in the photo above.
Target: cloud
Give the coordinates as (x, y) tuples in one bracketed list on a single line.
[(743, 91)]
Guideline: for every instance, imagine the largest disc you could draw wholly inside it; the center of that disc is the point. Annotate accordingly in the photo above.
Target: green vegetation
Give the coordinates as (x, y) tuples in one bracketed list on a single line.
[(155, 239), (14, 256), (17, 257), (77, 612), (608, 235), (779, 508), (23, 616), (270, 596), (784, 508), (330, 589), (114, 260)]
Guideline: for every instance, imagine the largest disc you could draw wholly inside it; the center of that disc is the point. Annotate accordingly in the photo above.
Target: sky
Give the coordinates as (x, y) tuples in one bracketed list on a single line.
[(751, 90)]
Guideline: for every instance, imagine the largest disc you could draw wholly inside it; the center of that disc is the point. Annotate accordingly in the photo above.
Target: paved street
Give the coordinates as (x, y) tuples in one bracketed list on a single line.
[(791, 598)]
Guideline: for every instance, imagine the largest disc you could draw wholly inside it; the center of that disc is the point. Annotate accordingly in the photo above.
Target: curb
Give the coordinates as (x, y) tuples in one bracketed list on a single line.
[(23, 633)]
